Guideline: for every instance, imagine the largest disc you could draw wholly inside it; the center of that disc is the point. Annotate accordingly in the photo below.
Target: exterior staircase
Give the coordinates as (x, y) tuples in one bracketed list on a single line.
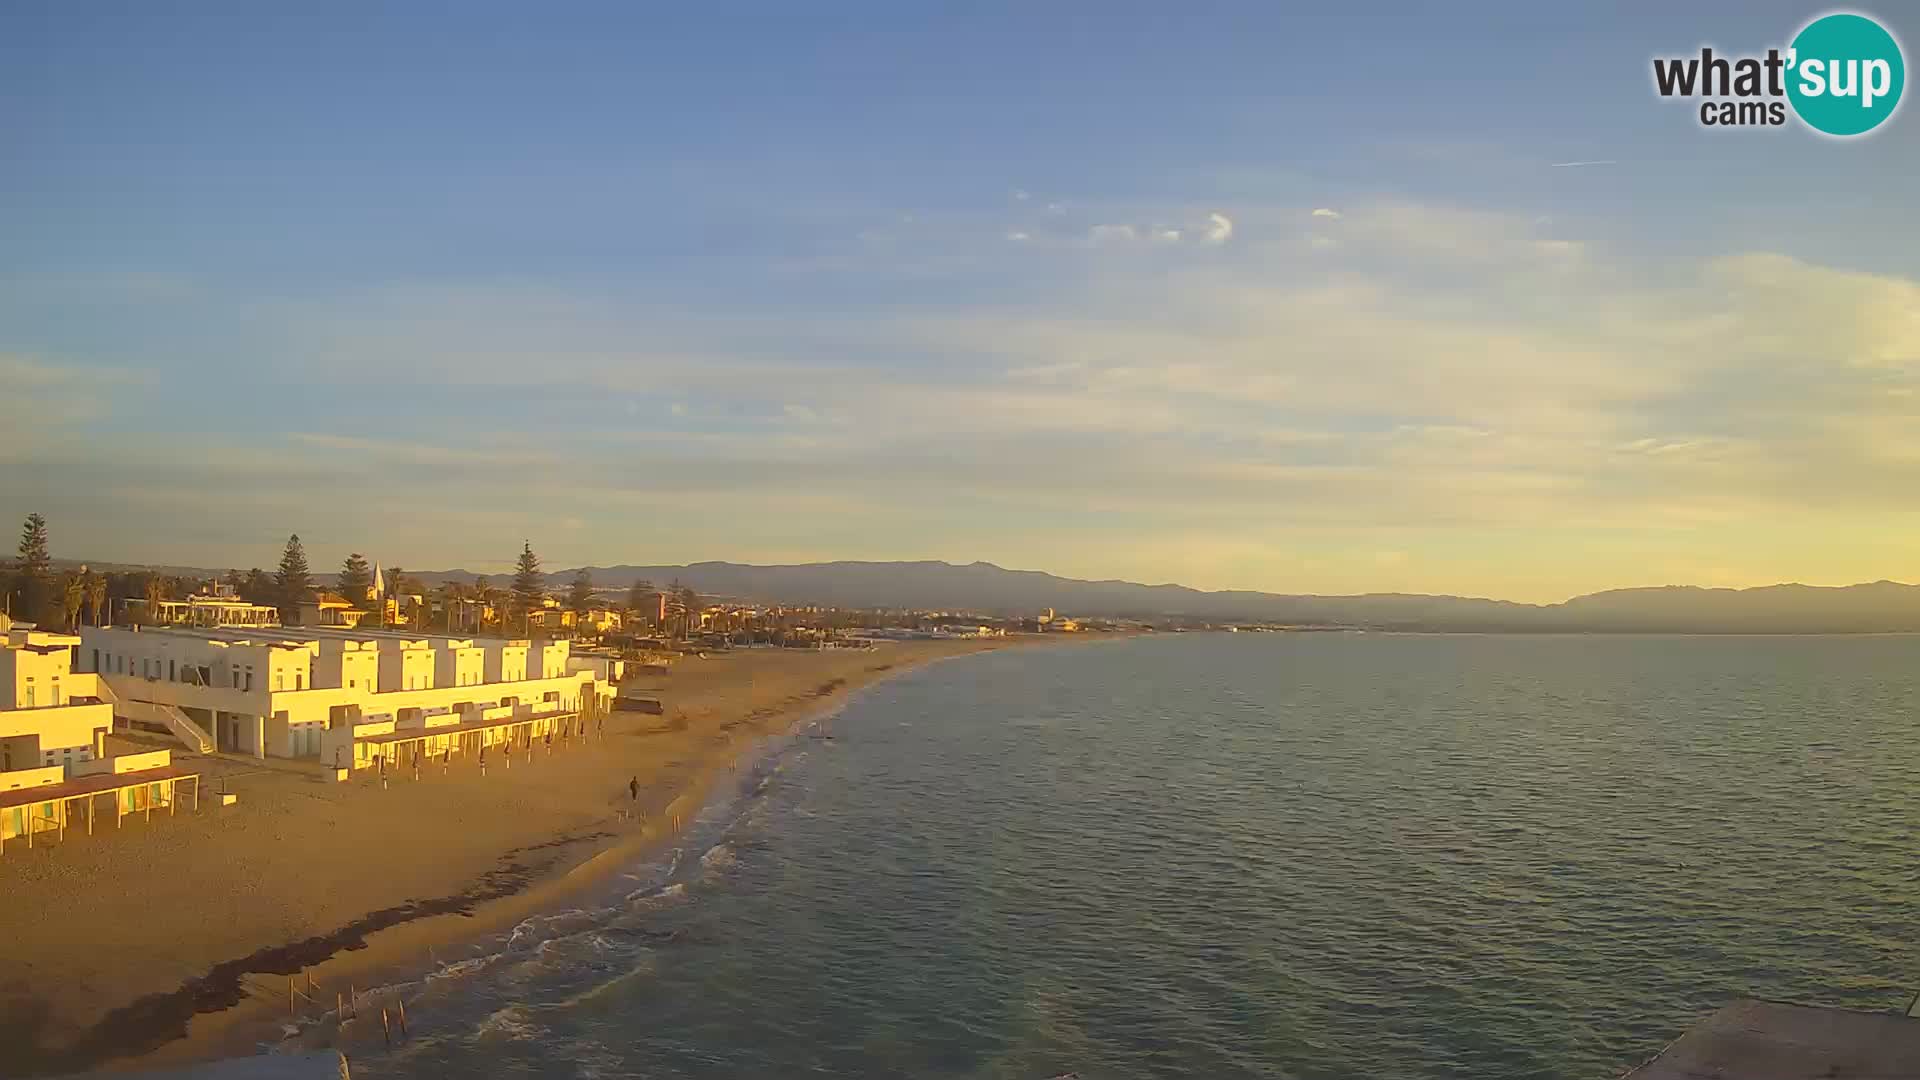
[(154, 713)]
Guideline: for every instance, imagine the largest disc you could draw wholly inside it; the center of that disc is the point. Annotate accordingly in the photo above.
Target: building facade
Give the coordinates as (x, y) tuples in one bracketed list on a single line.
[(51, 716), (280, 693)]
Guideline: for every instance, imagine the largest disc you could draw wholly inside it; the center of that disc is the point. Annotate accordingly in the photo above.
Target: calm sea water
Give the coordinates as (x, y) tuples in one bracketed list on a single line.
[(1253, 855)]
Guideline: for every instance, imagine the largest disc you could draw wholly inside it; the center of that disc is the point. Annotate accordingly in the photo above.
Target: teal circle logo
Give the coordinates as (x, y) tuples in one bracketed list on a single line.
[(1845, 74)]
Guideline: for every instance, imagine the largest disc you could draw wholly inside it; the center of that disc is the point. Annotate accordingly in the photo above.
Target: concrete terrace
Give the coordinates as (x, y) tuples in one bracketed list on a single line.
[(1768, 1040)]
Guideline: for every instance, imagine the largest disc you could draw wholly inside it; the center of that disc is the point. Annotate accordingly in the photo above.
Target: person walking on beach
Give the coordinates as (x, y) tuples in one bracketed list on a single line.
[(633, 788), (446, 755), (383, 772), (483, 759)]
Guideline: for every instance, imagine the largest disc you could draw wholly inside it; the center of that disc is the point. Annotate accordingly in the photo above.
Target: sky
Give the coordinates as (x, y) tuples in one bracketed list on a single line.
[(1233, 295)]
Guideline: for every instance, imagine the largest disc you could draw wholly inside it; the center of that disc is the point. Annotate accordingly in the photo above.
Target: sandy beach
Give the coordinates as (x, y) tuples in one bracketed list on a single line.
[(173, 940)]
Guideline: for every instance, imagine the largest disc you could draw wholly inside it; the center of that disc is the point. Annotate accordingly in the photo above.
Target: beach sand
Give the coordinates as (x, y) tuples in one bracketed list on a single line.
[(173, 940)]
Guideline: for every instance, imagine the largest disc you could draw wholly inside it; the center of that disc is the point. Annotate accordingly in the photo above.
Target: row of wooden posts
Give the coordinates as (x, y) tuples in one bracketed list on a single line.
[(346, 1006), (577, 727)]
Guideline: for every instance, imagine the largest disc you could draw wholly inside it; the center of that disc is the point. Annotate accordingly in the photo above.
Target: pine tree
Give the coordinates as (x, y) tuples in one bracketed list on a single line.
[(34, 572), (580, 594), (528, 583), (356, 577), (294, 582)]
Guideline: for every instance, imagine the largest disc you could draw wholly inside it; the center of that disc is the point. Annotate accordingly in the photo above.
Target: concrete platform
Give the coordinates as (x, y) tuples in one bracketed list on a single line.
[(1766, 1040)]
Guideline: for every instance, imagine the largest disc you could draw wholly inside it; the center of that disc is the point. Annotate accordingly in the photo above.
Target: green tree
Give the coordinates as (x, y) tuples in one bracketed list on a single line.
[(33, 572), (529, 585), (258, 587), (153, 590), (690, 604), (489, 597), (96, 594), (73, 597), (356, 577), (580, 593), (294, 582)]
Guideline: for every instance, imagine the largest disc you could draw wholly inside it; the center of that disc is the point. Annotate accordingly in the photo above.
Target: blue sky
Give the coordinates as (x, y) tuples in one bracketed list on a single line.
[(1237, 296)]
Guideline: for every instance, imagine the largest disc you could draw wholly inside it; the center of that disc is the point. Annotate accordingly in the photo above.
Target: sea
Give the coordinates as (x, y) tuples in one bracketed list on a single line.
[(1311, 855)]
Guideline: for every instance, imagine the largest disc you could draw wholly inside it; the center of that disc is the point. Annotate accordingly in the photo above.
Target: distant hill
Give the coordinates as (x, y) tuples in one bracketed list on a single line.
[(1877, 607), (1777, 609)]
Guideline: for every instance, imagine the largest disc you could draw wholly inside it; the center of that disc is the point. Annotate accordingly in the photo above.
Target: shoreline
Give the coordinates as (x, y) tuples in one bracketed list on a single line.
[(236, 1005)]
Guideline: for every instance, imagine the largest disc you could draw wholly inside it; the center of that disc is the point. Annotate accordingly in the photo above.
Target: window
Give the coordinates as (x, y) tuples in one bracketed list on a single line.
[(299, 680), (170, 674), (279, 680), (30, 692)]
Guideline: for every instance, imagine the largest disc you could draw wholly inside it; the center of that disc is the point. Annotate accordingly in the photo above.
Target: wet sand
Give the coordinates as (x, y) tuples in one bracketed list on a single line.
[(174, 940)]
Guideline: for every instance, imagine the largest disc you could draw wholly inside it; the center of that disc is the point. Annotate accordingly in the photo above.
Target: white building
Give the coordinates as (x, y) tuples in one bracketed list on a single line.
[(50, 715), (217, 608), (310, 691)]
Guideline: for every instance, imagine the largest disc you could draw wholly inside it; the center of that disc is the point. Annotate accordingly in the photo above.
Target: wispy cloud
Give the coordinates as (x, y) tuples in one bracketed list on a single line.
[(1469, 387)]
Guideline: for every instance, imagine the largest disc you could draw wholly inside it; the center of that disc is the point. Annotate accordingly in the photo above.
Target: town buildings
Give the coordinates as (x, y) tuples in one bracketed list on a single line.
[(219, 607)]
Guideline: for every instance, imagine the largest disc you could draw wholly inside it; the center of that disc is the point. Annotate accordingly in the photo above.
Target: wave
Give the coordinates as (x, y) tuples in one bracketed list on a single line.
[(719, 857), (513, 1022)]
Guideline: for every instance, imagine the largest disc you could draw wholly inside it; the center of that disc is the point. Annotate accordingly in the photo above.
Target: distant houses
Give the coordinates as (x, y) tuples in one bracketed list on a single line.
[(216, 607)]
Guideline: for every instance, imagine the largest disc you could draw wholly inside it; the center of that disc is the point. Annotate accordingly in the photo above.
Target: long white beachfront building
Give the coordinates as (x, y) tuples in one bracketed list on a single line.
[(54, 761), (322, 692)]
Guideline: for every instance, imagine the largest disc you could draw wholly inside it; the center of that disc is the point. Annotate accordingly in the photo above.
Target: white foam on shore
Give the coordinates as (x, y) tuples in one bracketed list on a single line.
[(512, 1022), (718, 857)]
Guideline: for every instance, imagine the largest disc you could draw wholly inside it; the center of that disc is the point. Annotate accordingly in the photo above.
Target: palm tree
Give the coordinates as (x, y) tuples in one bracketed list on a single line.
[(96, 594), (154, 592), (73, 596), (491, 598), (452, 596)]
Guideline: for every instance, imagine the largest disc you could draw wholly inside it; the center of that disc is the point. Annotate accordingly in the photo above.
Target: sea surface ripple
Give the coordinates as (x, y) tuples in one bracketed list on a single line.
[(1307, 855)]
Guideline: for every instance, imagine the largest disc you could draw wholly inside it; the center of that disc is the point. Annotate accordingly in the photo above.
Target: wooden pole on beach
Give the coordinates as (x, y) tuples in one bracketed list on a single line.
[(401, 1004), (386, 1029)]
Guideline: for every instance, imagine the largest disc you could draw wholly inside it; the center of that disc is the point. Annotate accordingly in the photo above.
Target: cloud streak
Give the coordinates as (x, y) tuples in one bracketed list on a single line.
[(1515, 409)]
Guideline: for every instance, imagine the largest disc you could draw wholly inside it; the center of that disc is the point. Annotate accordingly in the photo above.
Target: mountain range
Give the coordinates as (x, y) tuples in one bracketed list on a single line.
[(1878, 607)]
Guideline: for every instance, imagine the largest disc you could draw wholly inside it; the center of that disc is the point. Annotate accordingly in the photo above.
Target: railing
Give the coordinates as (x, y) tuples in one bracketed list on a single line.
[(167, 716)]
